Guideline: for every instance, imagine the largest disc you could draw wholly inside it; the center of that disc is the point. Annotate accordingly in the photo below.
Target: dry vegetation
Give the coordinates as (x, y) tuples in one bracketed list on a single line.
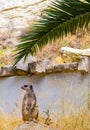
[(5, 57), (9, 122), (80, 40), (78, 121), (74, 122)]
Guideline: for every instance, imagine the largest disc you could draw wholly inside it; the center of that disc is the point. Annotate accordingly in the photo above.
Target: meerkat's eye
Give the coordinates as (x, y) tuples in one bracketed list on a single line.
[(25, 85)]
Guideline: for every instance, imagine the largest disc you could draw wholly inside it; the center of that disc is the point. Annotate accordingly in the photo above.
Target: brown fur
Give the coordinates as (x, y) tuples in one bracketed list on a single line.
[(29, 108)]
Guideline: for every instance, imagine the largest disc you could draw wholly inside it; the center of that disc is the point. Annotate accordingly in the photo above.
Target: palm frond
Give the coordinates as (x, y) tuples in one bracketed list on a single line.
[(61, 17)]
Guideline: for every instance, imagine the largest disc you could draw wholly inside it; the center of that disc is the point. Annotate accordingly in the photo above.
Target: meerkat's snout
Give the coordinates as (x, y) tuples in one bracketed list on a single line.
[(24, 87)]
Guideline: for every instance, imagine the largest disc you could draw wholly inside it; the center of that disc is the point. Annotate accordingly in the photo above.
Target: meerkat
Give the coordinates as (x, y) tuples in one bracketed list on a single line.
[(29, 105)]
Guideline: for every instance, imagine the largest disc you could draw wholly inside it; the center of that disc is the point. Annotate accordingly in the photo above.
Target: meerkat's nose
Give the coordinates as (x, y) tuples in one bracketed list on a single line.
[(22, 87)]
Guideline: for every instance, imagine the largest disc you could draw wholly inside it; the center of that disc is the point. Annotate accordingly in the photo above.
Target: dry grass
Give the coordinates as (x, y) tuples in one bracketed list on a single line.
[(9, 122), (5, 57), (79, 121), (74, 122), (79, 40)]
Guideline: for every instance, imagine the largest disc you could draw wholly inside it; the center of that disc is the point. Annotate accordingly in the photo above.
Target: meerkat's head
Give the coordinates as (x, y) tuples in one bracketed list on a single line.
[(27, 87)]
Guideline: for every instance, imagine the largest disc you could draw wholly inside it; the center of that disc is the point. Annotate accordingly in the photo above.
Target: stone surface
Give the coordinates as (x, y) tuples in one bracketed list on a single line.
[(7, 71), (16, 17), (66, 67), (34, 126), (36, 68), (19, 14), (69, 50), (84, 64), (20, 72), (22, 66), (40, 67)]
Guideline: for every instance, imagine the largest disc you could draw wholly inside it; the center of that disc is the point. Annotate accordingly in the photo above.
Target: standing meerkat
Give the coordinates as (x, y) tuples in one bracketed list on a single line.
[(29, 108)]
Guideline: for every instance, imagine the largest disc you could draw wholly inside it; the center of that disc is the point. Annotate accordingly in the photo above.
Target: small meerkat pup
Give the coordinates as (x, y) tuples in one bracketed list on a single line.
[(29, 108)]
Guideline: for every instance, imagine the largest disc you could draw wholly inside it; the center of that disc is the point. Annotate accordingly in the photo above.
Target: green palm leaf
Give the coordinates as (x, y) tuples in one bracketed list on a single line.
[(61, 17)]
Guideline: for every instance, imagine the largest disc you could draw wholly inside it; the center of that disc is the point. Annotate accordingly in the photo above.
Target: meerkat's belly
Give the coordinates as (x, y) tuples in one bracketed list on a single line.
[(27, 116), (35, 113)]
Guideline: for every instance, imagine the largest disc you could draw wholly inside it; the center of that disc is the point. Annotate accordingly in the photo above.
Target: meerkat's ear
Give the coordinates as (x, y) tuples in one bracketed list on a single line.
[(31, 87)]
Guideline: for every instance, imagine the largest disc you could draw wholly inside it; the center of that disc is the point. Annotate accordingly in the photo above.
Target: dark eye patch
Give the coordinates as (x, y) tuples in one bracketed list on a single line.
[(25, 85)]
